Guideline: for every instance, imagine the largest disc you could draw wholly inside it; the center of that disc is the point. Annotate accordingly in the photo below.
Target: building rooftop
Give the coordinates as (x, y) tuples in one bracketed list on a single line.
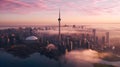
[(31, 38)]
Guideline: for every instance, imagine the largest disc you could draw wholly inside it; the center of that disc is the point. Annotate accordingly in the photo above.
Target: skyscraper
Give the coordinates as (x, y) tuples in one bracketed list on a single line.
[(59, 19), (94, 34), (107, 38), (103, 40)]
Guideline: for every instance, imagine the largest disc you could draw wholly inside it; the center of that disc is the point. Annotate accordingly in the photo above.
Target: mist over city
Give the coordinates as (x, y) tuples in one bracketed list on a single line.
[(59, 33)]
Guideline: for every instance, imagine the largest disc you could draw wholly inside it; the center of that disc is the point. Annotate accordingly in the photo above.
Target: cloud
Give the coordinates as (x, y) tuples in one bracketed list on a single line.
[(89, 7), (96, 7), (21, 6)]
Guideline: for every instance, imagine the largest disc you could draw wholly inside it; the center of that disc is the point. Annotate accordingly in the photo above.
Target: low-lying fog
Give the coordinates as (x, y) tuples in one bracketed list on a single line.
[(86, 58), (77, 58)]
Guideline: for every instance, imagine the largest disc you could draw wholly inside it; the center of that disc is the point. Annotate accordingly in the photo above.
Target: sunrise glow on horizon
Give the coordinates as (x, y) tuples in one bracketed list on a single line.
[(46, 11)]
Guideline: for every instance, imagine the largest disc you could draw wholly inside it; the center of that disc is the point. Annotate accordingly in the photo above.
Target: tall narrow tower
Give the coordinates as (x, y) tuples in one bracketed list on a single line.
[(107, 37), (59, 19)]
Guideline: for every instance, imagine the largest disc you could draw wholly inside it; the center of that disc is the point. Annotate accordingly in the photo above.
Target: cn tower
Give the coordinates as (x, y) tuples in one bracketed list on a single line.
[(59, 20)]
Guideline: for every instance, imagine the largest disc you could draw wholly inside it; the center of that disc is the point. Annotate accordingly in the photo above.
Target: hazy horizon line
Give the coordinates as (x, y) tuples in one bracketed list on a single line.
[(3, 25)]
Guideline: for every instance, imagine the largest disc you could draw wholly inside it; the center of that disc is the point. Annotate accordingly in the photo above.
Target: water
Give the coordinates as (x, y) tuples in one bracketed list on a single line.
[(77, 58), (34, 60)]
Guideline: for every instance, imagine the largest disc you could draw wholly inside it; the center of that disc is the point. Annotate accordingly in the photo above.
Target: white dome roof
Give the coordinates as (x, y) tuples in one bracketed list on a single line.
[(31, 38)]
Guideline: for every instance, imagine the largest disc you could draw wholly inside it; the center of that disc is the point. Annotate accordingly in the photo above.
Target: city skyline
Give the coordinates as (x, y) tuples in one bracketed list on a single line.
[(46, 11)]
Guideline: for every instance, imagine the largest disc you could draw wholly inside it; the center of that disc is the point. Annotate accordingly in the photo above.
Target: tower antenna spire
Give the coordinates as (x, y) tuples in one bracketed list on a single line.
[(59, 13), (59, 20)]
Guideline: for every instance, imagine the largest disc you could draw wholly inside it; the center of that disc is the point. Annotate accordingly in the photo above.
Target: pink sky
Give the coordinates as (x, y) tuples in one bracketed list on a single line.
[(46, 11)]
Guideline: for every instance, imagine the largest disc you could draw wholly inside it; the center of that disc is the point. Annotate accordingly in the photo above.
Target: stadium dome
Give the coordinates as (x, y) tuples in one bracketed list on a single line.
[(31, 38)]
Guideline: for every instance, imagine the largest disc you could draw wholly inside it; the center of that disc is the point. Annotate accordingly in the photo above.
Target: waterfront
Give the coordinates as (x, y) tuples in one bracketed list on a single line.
[(26, 54)]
